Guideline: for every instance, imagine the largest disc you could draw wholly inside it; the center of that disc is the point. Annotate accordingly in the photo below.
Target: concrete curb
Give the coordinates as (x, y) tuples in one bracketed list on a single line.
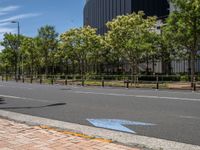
[(124, 138)]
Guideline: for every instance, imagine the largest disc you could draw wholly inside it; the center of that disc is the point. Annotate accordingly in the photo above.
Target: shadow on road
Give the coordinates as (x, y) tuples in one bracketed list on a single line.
[(2, 101), (29, 107), (65, 89)]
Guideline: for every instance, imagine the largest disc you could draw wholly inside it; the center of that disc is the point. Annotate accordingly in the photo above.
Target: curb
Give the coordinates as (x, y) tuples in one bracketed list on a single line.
[(124, 138)]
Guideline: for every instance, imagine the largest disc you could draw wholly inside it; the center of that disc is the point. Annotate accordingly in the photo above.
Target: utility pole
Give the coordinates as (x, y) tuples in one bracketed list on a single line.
[(17, 76)]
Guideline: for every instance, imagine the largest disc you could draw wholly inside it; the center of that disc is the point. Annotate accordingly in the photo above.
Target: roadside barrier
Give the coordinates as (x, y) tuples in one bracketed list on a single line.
[(135, 81)]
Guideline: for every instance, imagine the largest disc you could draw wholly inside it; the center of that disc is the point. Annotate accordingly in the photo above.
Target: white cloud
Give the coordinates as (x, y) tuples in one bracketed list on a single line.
[(18, 17), (7, 30), (9, 8), (6, 10), (4, 24)]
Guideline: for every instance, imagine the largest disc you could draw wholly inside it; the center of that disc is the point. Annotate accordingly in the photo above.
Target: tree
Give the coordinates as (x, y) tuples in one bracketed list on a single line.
[(184, 24), (30, 53), (7, 60), (129, 37), (47, 42), (82, 45), (11, 44)]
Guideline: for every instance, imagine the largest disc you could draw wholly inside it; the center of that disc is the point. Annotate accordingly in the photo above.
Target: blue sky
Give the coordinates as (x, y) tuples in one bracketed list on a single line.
[(32, 14)]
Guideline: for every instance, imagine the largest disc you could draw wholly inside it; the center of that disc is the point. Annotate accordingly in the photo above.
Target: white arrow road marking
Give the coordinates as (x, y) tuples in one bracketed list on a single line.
[(117, 124)]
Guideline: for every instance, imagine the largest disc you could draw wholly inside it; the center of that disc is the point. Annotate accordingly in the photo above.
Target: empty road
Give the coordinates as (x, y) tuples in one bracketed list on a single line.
[(175, 115)]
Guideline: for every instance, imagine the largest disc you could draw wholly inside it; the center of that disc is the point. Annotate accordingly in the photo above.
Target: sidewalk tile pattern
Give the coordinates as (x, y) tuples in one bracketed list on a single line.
[(17, 136)]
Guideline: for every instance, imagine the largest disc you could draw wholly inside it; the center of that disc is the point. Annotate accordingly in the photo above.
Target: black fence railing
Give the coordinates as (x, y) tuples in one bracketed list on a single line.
[(172, 67), (127, 81)]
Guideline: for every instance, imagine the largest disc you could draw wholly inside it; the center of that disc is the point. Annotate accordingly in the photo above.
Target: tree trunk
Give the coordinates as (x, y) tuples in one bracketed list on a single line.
[(79, 67), (194, 50), (32, 68), (53, 68), (189, 66), (193, 56), (147, 68), (82, 67), (16, 66), (73, 67), (46, 64), (67, 68)]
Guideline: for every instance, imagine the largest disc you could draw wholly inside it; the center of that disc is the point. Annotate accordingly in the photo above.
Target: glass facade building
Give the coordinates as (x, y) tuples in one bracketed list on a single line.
[(98, 12)]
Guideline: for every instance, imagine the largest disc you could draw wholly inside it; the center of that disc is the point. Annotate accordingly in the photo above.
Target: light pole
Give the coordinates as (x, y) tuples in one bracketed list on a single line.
[(17, 51)]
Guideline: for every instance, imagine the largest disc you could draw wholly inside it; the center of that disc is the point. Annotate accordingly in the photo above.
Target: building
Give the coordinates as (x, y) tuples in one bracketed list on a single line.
[(98, 12)]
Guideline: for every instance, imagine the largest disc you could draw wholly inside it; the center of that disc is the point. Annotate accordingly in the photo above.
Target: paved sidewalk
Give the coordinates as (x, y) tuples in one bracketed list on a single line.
[(17, 136)]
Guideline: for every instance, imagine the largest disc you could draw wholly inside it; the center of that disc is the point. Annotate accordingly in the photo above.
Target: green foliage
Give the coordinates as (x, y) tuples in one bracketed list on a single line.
[(184, 78), (183, 27), (131, 39), (81, 45), (47, 43), (131, 36), (30, 54), (9, 56)]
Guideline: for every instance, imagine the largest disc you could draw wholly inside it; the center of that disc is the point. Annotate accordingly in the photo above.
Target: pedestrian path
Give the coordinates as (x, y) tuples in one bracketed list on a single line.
[(18, 136)]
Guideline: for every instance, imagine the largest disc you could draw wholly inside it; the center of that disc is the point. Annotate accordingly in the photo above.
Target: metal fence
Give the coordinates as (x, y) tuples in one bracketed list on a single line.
[(151, 67), (177, 82)]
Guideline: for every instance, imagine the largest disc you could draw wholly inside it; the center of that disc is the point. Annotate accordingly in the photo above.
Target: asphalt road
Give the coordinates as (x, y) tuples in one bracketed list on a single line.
[(176, 114)]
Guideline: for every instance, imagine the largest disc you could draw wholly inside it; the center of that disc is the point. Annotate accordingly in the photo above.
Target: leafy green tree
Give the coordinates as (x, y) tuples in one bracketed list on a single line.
[(151, 52), (11, 44), (129, 37), (184, 25), (7, 61), (47, 42), (81, 45), (30, 54)]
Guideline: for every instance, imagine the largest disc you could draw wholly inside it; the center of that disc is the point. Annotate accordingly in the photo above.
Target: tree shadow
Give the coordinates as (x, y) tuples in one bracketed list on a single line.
[(65, 89), (2, 101), (29, 107)]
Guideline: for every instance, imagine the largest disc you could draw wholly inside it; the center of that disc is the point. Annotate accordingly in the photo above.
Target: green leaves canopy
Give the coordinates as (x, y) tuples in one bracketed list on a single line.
[(129, 36)]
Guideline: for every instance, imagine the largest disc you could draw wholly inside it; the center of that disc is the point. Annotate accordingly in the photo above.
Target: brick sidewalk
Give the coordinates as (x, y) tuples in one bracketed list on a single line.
[(17, 136)]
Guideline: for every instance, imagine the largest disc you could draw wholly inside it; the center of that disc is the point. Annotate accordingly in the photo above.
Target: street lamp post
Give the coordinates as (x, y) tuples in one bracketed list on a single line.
[(17, 77)]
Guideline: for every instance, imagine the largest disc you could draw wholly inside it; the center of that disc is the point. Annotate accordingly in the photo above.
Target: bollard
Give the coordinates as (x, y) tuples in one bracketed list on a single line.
[(66, 77), (127, 84), (52, 80), (102, 81), (83, 83), (40, 79), (157, 82), (194, 84), (6, 78), (31, 80)]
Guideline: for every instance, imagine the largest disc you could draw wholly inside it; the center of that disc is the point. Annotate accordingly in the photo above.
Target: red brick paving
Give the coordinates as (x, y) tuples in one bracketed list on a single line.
[(18, 136)]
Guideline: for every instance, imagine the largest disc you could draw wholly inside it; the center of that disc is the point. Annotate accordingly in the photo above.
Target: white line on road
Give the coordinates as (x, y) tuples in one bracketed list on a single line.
[(24, 98), (139, 96), (15, 87), (190, 117)]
